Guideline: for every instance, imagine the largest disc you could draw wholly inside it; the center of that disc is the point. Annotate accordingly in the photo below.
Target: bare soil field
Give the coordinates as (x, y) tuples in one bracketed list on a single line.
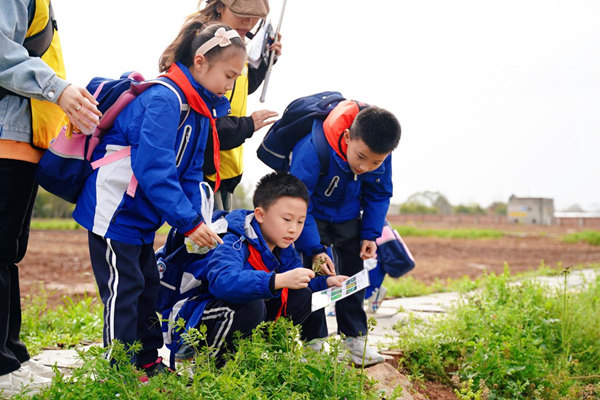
[(60, 259)]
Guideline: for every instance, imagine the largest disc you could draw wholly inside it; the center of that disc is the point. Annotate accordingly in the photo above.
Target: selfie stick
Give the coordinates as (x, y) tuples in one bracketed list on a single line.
[(272, 56)]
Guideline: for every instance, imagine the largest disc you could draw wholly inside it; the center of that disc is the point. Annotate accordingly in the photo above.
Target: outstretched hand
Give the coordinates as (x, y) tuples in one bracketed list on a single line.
[(261, 118), (336, 280), (80, 107)]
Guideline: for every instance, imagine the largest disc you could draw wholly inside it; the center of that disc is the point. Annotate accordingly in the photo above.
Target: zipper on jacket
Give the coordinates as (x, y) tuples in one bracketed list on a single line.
[(332, 185), (187, 132)]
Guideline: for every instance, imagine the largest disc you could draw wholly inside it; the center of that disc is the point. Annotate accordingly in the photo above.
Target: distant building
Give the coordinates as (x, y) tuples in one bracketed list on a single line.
[(530, 210)]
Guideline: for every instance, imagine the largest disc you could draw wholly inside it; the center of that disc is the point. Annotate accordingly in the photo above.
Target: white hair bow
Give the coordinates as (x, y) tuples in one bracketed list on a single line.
[(222, 38)]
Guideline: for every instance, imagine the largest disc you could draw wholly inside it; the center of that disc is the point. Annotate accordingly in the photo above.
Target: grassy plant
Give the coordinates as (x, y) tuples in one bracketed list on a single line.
[(270, 364), (511, 341), (591, 237), (65, 326), (459, 233), (54, 224)]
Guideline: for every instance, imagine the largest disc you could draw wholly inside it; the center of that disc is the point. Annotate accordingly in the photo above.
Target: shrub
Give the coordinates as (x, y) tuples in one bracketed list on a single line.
[(511, 341)]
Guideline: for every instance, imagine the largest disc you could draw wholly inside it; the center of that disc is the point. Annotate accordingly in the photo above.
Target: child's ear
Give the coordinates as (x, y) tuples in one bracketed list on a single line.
[(346, 135), (259, 214), (199, 61)]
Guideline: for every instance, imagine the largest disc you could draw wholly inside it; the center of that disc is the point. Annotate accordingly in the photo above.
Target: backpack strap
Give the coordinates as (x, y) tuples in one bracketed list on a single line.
[(322, 147), (122, 102), (184, 107)]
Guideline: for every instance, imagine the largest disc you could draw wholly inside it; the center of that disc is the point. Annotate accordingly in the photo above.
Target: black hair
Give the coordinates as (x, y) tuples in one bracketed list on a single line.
[(378, 128), (192, 35), (275, 185)]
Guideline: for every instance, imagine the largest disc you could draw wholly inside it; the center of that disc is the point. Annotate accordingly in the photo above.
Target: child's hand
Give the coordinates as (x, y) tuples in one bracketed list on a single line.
[(261, 118), (297, 278), (368, 249), (336, 280), (204, 236), (322, 264)]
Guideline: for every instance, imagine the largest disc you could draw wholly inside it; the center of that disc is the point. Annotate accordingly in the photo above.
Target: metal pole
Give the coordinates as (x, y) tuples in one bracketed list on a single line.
[(272, 56)]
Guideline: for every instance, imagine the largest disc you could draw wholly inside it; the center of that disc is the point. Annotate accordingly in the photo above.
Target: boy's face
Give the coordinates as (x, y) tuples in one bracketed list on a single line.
[(282, 222), (360, 157)]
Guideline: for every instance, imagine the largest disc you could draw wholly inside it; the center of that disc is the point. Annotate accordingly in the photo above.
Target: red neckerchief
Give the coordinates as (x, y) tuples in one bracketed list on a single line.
[(257, 263), (195, 101)]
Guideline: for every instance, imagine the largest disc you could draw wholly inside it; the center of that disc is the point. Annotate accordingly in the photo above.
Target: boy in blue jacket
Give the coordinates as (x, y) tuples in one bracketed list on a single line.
[(255, 275), (348, 205)]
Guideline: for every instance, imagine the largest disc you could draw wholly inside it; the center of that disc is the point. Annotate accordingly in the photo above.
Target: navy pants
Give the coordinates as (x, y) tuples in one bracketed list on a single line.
[(128, 282), (17, 197), (222, 319), (349, 312)]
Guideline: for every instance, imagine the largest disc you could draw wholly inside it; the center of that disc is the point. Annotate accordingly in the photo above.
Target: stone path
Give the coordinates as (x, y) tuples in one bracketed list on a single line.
[(389, 314)]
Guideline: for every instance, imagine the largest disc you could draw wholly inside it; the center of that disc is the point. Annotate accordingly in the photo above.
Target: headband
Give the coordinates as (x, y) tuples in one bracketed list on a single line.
[(222, 38)]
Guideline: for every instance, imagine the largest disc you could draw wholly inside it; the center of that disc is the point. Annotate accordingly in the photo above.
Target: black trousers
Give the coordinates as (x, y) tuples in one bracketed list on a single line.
[(223, 319), (17, 197), (128, 282), (350, 314)]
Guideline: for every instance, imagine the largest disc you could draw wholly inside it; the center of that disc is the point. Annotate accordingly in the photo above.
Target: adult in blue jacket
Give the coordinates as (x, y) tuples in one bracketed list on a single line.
[(166, 159), (348, 204)]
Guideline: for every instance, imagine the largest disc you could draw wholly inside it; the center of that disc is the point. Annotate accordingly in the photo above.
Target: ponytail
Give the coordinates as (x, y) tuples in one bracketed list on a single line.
[(192, 35)]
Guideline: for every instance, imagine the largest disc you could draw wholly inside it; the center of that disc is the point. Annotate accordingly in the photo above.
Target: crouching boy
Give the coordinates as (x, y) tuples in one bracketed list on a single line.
[(348, 205), (256, 275)]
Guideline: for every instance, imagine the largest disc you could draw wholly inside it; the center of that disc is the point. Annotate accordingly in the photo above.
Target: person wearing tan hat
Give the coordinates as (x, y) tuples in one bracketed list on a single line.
[(241, 15)]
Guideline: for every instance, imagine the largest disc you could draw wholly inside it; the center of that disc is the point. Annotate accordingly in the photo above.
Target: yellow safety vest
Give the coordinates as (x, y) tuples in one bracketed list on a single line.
[(232, 161), (46, 118)]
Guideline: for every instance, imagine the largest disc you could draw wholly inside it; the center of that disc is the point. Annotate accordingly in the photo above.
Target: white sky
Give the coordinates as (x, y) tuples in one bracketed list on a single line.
[(494, 98)]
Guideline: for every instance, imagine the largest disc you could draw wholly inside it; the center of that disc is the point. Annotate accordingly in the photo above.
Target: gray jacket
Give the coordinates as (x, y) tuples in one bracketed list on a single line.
[(27, 76)]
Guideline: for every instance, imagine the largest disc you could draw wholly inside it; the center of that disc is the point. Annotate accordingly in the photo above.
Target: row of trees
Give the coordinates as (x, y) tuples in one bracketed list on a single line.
[(429, 202)]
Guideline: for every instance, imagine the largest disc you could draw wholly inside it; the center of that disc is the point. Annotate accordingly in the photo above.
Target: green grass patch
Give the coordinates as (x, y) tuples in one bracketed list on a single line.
[(511, 341), (54, 224), (64, 326), (408, 286), (591, 237), (459, 233)]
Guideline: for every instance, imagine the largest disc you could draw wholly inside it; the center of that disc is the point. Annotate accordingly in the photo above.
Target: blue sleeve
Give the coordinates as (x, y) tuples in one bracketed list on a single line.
[(305, 166), (152, 135), (375, 201), (318, 283), (229, 279)]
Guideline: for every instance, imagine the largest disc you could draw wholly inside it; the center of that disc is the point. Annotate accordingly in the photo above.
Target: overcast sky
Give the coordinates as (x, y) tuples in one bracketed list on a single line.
[(494, 98)]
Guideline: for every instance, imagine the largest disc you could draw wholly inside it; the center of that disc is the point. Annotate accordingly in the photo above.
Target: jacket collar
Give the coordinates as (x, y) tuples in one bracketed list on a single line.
[(219, 105), (243, 223)]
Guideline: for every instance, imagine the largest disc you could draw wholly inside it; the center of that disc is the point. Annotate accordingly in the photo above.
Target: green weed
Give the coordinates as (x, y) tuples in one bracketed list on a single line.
[(270, 364), (511, 341), (65, 326)]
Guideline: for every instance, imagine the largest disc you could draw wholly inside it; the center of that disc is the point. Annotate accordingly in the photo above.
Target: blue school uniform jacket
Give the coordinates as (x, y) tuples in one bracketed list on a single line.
[(339, 195), (166, 160), (226, 274)]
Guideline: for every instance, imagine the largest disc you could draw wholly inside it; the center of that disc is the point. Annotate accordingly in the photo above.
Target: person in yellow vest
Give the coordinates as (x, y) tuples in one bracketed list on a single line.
[(35, 101), (241, 15)]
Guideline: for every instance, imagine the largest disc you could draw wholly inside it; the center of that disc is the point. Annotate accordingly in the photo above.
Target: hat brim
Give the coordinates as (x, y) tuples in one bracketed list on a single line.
[(241, 15)]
